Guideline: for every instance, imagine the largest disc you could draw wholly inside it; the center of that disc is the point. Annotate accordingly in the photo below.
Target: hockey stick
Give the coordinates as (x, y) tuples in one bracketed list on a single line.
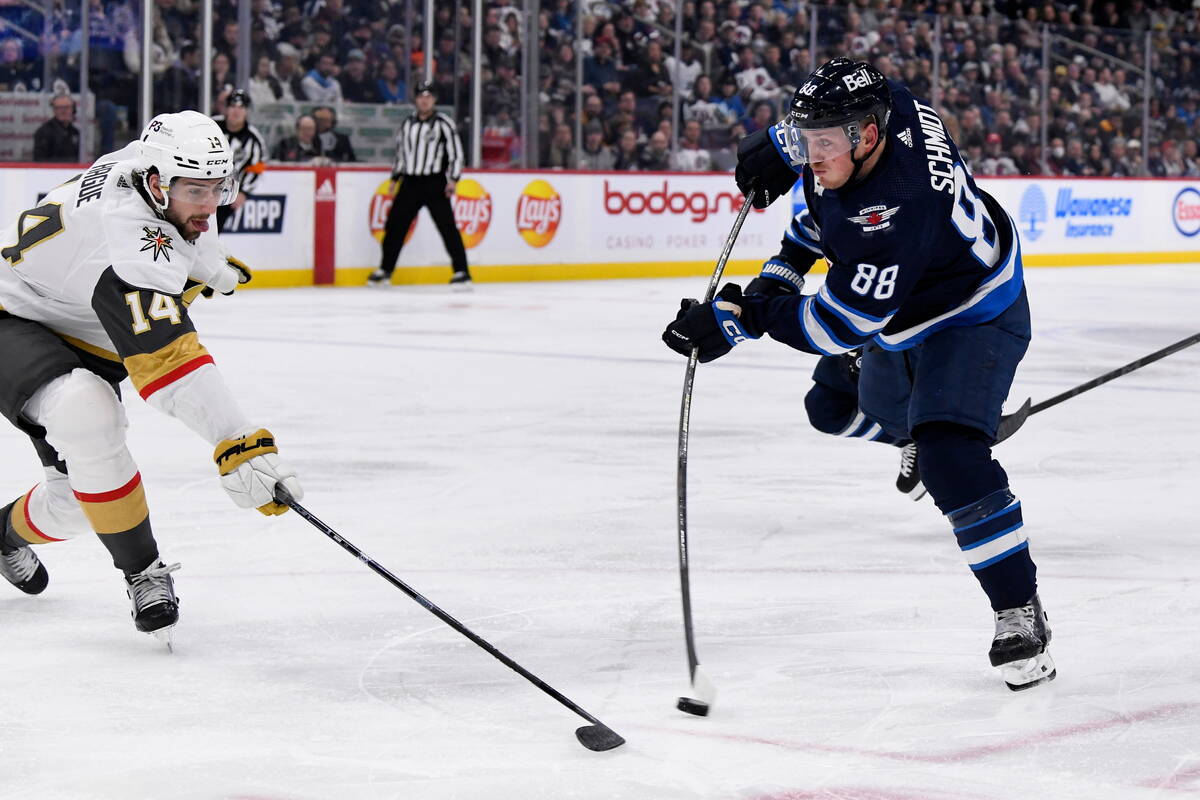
[(1010, 423), (701, 685), (596, 736)]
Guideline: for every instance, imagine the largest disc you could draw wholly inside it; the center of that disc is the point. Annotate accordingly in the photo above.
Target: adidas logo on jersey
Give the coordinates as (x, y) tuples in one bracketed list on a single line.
[(906, 136)]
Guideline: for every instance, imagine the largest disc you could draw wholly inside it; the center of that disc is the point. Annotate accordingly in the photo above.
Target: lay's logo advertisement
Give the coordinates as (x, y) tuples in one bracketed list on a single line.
[(539, 210), (472, 211)]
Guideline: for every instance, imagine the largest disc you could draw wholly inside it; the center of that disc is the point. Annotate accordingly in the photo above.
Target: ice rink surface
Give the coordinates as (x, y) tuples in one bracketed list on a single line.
[(511, 454)]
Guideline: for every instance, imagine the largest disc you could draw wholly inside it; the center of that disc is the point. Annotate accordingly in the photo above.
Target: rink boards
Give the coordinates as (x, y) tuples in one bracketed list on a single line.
[(323, 225)]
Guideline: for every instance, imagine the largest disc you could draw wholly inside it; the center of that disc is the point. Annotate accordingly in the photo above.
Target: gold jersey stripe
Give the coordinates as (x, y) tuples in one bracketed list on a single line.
[(151, 371)]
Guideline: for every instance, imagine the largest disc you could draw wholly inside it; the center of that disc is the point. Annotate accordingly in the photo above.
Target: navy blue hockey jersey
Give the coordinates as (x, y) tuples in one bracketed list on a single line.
[(913, 248)]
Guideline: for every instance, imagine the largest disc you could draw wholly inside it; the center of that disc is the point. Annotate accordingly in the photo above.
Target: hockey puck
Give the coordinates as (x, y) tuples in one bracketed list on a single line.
[(689, 706)]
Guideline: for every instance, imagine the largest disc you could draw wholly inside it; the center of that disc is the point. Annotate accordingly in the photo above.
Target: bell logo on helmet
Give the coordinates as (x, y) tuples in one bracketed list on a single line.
[(857, 80)]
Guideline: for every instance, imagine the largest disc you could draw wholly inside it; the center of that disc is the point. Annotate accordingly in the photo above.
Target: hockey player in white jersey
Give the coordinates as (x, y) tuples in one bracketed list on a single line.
[(96, 288)]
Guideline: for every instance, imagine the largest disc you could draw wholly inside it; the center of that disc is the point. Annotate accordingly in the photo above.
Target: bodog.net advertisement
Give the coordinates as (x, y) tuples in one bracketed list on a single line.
[(563, 225)]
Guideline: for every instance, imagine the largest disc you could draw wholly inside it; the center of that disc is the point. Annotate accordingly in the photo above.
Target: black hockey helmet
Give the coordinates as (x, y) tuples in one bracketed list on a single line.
[(841, 94), (424, 87), (239, 97)]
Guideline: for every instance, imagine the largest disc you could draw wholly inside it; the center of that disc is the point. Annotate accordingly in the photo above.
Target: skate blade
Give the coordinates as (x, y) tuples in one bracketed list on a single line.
[(166, 636), (918, 492), (1028, 673), (462, 288)]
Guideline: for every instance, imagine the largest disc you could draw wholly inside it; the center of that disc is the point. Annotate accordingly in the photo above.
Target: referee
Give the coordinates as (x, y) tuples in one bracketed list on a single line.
[(429, 161), (249, 149)]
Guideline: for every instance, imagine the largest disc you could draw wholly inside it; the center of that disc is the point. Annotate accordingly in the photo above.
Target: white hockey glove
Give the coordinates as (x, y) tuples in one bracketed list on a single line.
[(235, 273), (250, 468)]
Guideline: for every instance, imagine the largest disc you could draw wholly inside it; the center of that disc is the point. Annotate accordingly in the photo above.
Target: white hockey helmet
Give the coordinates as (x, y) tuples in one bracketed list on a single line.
[(188, 144)]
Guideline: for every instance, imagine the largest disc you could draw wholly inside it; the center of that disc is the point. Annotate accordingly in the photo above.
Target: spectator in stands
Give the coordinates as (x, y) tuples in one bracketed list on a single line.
[(357, 85), (287, 71), (179, 86), (57, 139), (1124, 158), (600, 71), (595, 154), (390, 85), (650, 79), (754, 82), (222, 78), (762, 115), (593, 114), (264, 87), (303, 147), (704, 108), (628, 153), (504, 88), (1191, 158), (336, 146), (1073, 162), (656, 155), (730, 99), (1168, 161), (320, 85), (1023, 157), (995, 161), (724, 158), (690, 156), (500, 146), (684, 72), (559, 152)]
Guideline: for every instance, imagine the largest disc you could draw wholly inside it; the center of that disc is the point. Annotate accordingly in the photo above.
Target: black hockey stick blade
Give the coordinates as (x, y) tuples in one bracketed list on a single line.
[(598, 737), (1011, 423)]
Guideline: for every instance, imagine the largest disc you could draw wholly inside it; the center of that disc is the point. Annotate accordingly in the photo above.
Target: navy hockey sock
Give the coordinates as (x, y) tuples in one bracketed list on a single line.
[(972, 491)]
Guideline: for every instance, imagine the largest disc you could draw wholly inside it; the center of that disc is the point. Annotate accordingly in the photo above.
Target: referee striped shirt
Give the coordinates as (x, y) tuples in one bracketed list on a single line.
[(428, 147)]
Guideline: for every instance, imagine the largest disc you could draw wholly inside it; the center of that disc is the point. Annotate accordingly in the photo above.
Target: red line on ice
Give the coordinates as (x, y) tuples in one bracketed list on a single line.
[(1018, 742)]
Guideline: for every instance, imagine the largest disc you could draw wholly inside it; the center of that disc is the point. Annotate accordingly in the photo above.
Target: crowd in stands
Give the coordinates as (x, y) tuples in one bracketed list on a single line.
[(739, 62)]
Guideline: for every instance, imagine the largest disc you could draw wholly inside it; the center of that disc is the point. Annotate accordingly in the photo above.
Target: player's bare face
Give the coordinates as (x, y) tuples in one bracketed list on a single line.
[(830, 155), (828, 152), (193, 202)]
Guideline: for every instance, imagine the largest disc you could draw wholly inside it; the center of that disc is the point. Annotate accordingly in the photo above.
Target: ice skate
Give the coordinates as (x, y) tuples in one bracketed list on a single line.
[(155, 609), (19, 565), (379, 278), (1019, 646), (908, 482), (460, 281)]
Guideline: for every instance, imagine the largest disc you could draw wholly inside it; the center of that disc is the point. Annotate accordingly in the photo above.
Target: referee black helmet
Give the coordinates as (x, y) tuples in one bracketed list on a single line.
[(239, 97), (424, 87)]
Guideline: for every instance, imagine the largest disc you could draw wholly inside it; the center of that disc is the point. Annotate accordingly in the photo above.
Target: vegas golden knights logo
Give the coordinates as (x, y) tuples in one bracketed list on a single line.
[(157, 242)]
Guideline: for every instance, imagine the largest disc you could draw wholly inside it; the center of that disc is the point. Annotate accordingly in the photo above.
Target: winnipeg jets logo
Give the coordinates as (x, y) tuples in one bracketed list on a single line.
[(906, 136), (157, 242), (875, 218)]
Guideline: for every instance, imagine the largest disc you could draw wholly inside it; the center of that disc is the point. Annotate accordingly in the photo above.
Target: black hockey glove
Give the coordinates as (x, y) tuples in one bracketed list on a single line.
[(713, 328), (760, 165)]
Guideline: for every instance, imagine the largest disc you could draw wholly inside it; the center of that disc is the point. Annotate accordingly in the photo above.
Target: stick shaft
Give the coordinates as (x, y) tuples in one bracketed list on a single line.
[(1116, 373), (685, 413), (437, 612)]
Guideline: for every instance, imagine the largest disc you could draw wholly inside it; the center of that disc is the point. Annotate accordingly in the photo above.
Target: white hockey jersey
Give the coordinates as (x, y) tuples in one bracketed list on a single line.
[(96, 265)]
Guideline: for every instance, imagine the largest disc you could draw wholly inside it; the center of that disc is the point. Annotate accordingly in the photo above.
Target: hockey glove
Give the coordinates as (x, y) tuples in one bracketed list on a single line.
[(236, 274), (714, 328), (760, 166), (777, 279), (250, 468)]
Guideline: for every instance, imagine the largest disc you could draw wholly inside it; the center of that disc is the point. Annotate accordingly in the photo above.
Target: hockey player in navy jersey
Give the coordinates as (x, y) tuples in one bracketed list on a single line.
[(925, 277)]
